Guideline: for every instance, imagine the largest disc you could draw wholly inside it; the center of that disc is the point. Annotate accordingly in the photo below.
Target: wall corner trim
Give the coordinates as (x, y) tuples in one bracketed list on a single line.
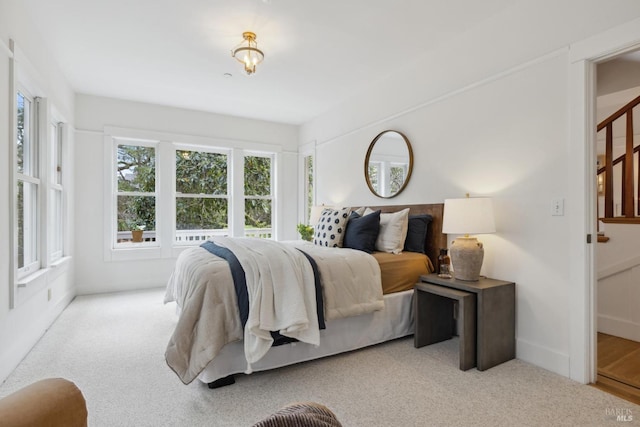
[(6, 48)]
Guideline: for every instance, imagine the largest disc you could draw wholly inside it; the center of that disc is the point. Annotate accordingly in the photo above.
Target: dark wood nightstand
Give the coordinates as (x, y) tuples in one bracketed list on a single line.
[(495, 331)]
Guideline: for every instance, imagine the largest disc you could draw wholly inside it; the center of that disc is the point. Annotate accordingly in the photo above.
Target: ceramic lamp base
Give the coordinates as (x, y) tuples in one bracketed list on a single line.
[(466, 257)]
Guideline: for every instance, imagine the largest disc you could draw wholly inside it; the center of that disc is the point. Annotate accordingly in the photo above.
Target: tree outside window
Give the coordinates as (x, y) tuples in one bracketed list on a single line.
[(201, 187), (28, 185), (136, 178), (308, 168), (397, 177), (258, 208)]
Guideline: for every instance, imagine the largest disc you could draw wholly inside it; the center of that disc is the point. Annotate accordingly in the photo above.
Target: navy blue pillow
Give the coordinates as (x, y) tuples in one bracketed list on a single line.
[(417, 233), (362, 232)]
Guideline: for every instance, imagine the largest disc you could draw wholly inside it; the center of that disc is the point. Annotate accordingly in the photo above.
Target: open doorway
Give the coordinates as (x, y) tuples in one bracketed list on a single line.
[(617, 255)]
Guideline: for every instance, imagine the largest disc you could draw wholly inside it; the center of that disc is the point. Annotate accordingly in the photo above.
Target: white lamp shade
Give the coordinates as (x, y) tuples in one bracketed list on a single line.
[(468, 216), (316, 210)]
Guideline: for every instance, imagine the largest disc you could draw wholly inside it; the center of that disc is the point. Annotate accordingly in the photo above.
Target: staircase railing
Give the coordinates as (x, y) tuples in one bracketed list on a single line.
[(605, 173)]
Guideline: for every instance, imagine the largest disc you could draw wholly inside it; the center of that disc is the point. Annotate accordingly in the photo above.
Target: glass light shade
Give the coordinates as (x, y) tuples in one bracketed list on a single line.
[(247, 53)]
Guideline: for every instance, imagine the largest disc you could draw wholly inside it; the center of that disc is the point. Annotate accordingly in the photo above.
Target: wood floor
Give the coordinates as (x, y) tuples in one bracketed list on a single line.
[(619, 367)]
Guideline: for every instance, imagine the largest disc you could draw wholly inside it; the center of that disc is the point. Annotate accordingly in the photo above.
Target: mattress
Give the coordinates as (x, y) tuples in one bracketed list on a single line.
[(402, 271), (345, 334)]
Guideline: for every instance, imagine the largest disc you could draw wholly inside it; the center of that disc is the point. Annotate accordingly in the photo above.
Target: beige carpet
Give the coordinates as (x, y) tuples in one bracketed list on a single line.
[(112, 346)]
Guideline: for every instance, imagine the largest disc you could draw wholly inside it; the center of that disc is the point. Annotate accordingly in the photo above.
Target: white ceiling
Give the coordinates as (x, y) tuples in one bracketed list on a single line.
[(176, 53)]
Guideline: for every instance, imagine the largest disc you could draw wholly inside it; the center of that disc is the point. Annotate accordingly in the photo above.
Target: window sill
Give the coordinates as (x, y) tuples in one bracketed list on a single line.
[(31, 284), (137, 252), (32, 278), (133, 253), (58, 267), (61, 262)]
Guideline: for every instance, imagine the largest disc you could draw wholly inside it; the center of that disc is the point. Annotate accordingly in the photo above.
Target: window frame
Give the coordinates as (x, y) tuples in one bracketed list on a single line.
[(227, 196), (167, 144), (32, 278), (307, 196), (115, 193), (56, 226), (309, 186), (271, 197), (31, 177)]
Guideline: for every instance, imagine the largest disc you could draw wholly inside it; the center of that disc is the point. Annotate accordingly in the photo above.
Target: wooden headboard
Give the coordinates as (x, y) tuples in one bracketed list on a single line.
[(435, 239)]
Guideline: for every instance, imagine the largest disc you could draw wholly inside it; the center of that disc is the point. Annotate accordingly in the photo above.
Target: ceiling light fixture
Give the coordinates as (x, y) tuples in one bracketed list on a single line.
[(248, 53)]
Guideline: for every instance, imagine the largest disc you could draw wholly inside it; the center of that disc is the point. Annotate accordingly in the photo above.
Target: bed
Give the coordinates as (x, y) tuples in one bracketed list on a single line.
[(377, 317)]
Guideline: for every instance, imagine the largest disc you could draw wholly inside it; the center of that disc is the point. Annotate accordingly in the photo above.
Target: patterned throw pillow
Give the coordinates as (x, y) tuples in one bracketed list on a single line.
[(330, 228)]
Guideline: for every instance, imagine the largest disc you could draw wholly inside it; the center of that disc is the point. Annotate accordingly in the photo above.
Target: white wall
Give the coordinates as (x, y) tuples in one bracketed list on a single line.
[(489, 115), (93, 273), (20, 328), (618, 277)]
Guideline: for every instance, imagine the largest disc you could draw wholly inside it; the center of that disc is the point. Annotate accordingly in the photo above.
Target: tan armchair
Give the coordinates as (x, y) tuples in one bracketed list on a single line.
[(51, 402)]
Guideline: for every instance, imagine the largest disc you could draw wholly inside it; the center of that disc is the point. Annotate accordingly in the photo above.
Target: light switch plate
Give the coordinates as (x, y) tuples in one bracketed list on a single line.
[(557, 207)]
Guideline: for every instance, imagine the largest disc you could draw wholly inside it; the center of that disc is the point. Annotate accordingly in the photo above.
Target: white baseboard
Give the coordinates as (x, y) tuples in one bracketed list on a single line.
[(19, 349), (619, 327), (120, 287), (543, 357)]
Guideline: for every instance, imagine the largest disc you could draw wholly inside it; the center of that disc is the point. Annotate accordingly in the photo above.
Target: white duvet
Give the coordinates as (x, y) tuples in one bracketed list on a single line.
[(281, 297)]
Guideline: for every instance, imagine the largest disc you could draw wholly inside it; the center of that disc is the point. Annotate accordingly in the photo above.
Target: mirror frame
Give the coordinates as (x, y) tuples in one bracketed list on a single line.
[(368, 156)]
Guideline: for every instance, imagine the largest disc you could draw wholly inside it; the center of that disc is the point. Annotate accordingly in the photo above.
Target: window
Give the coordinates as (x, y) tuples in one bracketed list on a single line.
[(258, 198), (202, 202), (397, 175), (387, 177), (56, 193), (28, 185), (374, 175), (181, 190), (37, 193), (308, 187), (136, 194)]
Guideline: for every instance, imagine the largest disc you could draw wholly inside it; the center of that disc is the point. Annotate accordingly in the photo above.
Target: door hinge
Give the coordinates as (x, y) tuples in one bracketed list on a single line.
[(588, 238)]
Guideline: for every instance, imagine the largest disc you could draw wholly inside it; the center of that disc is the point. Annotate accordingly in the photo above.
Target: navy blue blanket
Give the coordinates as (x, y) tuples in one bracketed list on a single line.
[(240, 285)]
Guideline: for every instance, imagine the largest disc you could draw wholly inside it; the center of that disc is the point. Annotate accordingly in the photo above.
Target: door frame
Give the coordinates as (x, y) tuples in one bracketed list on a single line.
[(583, 57)]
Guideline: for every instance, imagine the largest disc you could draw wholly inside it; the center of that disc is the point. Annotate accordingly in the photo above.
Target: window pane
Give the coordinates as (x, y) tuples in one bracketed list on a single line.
[(201, 213), (20, 132), (201, 173), (27, 223), (136, 168), (257, 176), (25, 151), (136, 212), (257, 213), (308, 164), (374, 169), (397, 178), (20, 224)]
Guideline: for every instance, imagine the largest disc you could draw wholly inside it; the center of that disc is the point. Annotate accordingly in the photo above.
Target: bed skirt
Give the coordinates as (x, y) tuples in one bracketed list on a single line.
[(341, 335)]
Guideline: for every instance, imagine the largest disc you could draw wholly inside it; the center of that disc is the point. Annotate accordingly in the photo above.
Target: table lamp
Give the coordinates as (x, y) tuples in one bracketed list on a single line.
[(471, 215), (314, 216)]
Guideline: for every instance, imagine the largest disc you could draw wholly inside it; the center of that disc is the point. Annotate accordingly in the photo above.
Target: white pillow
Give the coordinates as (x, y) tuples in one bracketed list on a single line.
[(393, 231), (360, 211), (329, 230)]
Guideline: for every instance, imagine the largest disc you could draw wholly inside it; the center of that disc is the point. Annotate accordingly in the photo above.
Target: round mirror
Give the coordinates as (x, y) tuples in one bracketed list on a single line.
[(388, 164)]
